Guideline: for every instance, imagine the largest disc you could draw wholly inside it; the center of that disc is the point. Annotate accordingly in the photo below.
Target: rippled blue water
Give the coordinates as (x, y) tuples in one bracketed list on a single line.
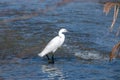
[(84, 55)]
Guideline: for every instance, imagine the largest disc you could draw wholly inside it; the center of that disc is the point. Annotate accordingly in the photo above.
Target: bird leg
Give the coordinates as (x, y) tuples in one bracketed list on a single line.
[(50, 61), (53, 58), (47, 57)]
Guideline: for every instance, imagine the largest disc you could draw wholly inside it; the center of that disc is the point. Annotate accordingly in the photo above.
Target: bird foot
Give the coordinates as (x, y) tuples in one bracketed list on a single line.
[(50, 61)]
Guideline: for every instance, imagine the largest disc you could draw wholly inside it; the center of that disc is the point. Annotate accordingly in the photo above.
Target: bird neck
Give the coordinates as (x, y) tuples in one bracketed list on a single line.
[(61, 35)]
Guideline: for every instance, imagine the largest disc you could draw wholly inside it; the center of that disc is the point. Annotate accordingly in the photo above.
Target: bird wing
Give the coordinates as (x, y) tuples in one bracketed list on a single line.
[(52, 46)]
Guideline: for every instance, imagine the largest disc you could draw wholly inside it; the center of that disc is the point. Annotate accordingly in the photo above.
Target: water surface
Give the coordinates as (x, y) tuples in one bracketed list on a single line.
[(27, 26)]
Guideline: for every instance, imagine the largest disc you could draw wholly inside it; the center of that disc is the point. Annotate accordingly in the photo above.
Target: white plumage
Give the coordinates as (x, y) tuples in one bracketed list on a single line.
[(54, 44)]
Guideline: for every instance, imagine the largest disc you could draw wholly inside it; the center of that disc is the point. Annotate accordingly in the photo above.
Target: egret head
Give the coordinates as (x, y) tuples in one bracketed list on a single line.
[(63, 30)]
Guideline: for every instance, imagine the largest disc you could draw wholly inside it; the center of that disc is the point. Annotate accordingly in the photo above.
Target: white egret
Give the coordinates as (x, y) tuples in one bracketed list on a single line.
[(53, 45)]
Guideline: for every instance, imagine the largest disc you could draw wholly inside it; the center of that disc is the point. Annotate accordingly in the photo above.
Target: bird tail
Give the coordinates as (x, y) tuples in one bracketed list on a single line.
[(42, 54)]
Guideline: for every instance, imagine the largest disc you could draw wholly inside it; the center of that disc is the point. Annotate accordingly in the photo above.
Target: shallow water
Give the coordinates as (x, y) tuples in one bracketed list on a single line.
[(84, 55)]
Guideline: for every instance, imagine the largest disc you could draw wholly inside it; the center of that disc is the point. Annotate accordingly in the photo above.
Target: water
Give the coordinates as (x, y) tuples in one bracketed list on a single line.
[(84, 55)]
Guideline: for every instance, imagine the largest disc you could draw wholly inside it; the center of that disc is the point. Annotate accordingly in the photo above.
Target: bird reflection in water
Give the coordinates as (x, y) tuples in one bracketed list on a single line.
[(52, 72)]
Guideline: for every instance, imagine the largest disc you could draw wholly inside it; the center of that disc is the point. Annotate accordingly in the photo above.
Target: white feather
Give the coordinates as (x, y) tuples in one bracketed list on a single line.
[(54, 44)]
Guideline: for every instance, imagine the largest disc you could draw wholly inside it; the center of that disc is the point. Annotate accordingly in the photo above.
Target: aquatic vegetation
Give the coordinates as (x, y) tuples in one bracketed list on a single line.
[(115, 51), (107, 8)]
